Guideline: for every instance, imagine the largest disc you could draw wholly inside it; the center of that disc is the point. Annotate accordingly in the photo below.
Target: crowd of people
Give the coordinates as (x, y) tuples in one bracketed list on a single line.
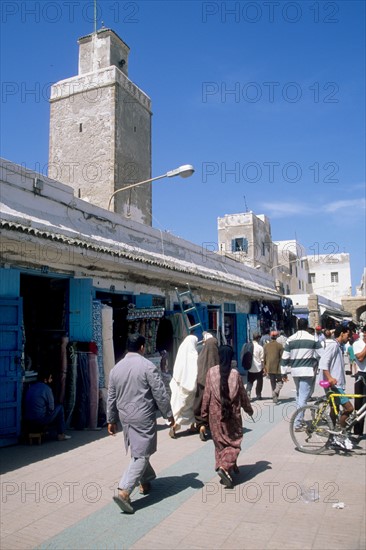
[(208, 391)]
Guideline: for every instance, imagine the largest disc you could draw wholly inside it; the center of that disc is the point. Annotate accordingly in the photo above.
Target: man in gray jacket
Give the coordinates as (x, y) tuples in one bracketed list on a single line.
[(136, 390)]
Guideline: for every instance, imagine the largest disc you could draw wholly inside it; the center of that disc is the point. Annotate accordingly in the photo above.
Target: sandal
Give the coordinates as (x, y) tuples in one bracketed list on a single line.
[(203, 433), (124, 504), (172, 433)]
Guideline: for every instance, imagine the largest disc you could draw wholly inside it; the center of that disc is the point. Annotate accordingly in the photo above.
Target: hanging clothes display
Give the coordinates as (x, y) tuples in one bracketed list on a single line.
[(63, 369), (93, 387), (108, 347), (179, 333), (81, 399), (70, 386), (80, 415), (146, 322), (98, 337), (287, 312)]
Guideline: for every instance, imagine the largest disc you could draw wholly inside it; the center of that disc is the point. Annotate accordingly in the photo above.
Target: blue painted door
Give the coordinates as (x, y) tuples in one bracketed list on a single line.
[(11, 314)]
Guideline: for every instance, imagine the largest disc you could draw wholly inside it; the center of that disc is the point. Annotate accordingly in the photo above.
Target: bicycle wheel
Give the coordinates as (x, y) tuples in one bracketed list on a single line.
[(315, 426)]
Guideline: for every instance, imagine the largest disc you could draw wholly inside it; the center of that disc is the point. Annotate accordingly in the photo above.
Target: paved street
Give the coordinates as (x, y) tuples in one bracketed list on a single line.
[(59, 495)]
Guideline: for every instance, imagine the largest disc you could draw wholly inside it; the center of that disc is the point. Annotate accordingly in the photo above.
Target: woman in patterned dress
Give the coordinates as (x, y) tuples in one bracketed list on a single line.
[(223, 398)]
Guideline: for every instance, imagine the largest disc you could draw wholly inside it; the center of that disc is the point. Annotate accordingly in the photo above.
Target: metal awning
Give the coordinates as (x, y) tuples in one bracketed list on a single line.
[(301, 312), (338, 315), (302, 315)]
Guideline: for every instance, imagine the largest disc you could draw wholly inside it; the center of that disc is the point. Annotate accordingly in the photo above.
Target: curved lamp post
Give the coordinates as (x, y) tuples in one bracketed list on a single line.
[(184, 171), (282, 265)]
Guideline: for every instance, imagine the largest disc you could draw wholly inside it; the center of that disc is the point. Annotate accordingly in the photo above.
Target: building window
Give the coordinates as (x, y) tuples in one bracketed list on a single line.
[(334, 277), (229, 308), (299, 285), (311, 278), (239, 245), (263, 249)]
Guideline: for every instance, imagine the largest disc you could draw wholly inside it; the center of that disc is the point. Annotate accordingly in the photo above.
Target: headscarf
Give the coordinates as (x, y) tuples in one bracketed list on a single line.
[(225, 357), (185, 366), (226, 354), (208, 357)]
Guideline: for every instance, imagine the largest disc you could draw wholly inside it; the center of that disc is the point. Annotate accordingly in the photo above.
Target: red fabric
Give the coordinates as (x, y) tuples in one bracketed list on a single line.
[(93, 348), (227, 436)]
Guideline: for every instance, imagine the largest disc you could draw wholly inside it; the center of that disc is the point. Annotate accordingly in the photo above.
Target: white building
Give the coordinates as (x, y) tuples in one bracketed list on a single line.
[(330, 275), (292, 268), (247, 238)]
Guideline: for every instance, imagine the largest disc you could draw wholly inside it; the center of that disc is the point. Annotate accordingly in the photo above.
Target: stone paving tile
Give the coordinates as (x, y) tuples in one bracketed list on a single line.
[(250, 536)]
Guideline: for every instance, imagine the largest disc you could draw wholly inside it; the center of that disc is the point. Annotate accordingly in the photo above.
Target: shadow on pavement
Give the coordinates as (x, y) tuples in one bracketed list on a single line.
[(23, 454), (249, 471), (165, 487)]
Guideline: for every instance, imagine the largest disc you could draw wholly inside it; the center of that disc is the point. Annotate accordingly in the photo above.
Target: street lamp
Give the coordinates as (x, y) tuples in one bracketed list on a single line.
[(184, 171), (282, 265)]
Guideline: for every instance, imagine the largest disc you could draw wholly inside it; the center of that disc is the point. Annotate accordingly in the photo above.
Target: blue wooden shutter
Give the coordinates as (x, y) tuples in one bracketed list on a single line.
[(80, 310), (11, 317)]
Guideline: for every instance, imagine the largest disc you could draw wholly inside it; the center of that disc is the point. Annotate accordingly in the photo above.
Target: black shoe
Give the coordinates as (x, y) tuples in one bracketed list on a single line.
[(145, 488), (226, 478)]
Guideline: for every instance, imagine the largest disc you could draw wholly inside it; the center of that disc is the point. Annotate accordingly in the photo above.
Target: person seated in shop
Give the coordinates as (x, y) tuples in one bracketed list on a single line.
[(40, 409)]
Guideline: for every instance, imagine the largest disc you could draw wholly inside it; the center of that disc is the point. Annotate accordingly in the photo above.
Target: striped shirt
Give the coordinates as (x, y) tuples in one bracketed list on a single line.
[(301, 354)]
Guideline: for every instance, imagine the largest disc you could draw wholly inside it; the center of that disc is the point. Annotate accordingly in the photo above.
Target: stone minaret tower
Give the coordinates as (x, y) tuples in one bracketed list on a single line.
[(100, 129)]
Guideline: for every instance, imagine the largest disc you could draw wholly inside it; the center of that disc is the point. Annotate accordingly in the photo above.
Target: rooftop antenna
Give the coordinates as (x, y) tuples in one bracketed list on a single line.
[(246, 206)]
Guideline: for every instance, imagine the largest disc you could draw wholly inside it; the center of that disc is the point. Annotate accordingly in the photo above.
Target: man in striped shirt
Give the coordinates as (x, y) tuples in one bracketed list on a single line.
[(301, 356)]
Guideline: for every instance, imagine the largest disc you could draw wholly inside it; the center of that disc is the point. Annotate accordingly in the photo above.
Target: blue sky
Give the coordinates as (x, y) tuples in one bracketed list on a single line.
[(265, 99)]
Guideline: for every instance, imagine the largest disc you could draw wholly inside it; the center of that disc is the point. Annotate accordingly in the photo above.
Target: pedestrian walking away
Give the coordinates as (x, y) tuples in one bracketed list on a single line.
[(183, 385), (136, 390), (300, 357), (255, 373), (223, 398), (207, 358), (272, 358)]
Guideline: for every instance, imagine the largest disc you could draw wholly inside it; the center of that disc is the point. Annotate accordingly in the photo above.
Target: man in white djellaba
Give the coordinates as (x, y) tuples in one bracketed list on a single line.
[(183, 385)]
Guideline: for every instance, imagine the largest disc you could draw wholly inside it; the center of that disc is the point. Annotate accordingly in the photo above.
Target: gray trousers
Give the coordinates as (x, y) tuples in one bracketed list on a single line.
[(138, 471)]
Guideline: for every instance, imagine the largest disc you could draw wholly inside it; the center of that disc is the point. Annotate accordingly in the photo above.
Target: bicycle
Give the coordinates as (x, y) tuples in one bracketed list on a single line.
[(317, 429)]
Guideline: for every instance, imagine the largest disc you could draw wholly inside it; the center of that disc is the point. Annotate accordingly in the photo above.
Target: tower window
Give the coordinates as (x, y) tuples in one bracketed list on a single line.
[(311, 279), (334, 277), (239, 245), (80, 127), (134, 129)]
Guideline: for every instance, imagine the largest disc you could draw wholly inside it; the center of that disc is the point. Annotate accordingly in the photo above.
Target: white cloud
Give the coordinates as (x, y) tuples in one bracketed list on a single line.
[(282, 209), (345, 204), (285, 209)]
